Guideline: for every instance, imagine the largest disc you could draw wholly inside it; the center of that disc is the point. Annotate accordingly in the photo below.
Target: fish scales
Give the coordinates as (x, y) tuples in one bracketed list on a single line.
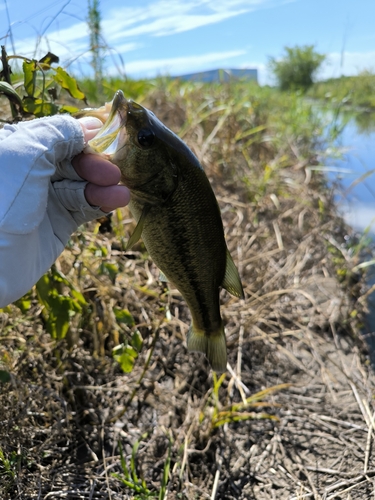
[(174, 250)]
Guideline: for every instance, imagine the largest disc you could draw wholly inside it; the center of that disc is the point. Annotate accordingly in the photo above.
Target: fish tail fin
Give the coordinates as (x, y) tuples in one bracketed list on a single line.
[(212, 345)]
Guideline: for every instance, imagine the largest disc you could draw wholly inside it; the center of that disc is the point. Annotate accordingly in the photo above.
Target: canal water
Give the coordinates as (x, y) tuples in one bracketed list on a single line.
[(356, 172), (355, 193)]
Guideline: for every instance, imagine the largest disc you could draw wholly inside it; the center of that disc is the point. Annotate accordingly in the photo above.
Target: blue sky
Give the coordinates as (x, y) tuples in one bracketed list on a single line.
[(154, 37)]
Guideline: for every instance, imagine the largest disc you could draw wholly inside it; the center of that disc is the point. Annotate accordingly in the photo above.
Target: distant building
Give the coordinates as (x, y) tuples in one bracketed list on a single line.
[(221, 75)]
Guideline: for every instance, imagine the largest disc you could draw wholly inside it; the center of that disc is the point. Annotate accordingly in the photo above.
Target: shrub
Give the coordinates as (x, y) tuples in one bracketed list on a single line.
[(296, 70)]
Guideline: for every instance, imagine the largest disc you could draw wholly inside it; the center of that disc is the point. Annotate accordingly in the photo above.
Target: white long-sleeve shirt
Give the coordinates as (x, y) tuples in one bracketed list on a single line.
[(42, 199)]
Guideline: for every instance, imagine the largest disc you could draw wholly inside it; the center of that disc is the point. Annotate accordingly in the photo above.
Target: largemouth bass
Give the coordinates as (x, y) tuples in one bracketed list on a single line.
[(177, 217)]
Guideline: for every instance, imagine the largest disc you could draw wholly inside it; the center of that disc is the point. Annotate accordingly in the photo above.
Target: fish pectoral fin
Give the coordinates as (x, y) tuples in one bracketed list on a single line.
[(162, 277), (212, 345), (232, 282), (138, 228)]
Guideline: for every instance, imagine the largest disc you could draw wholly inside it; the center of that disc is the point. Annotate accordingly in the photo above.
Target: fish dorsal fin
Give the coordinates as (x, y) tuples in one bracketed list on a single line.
[(232, 282), (138, 228)]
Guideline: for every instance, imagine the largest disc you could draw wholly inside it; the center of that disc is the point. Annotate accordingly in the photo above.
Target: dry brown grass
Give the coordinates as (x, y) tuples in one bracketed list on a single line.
[(67, 408)]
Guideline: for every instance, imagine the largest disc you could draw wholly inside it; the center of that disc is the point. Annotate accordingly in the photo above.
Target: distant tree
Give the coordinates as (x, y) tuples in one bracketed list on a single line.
[(296, 70)]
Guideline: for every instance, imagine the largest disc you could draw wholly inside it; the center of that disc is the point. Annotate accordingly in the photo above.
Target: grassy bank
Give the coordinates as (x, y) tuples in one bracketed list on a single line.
[(354, 91), (81, 417)]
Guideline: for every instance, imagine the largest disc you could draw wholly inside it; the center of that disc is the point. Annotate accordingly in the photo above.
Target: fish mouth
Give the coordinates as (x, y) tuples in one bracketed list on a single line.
[(106, 141)]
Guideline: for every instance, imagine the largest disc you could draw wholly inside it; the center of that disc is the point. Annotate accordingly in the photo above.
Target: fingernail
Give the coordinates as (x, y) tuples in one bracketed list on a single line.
[(91, 122)]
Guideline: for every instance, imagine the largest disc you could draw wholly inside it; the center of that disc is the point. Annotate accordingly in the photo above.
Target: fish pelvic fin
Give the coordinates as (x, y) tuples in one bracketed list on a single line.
[(162, 277), (138, 228), (232, 282), (213, 345)]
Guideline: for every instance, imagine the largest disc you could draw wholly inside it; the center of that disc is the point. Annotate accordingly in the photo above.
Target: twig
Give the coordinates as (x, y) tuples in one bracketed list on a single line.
[(10, 27), (335, 472), (279, 238), (368, 441), (219, 461), (339, 422), (6, 72), (335, 495), (104, 461)]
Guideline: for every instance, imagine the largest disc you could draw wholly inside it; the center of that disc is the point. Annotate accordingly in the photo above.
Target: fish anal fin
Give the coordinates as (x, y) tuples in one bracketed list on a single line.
[(212, 345), (137, 233), (232, 281)]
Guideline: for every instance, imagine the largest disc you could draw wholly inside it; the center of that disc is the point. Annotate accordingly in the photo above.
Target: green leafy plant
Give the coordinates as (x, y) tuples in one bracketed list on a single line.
[(61, 301), (4, 376), (36, 91), (126, 353)]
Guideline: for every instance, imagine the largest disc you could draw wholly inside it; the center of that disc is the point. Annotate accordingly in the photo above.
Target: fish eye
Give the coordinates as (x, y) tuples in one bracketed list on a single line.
[(146, 137)]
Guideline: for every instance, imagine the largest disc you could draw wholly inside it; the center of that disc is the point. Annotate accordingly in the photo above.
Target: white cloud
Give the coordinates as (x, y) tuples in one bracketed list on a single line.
[(68, 48), (166, 17), (176, 65), (175, 24), (155, 18), (360, 216), (127, 28), (125, 47), (350, 63), (66, 42)]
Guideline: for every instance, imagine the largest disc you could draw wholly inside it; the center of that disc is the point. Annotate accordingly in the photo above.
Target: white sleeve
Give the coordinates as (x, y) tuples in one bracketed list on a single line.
[(36, 220)]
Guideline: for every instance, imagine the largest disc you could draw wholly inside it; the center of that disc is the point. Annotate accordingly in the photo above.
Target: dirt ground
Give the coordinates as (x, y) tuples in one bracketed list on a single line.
[(64, 425), (293, 418)]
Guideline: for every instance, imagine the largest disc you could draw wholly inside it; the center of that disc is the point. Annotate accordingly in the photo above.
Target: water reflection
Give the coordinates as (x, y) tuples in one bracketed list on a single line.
[(365, 122), (355, 193)]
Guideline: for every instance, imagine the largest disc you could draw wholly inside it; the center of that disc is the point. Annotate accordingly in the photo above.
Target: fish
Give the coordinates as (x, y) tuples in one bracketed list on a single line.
[(177, 215)]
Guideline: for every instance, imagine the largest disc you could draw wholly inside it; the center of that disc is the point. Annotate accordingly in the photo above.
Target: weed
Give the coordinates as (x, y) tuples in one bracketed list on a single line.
[(9, 465), (235, 412), (129, 477), (134, 482), (353, 91)]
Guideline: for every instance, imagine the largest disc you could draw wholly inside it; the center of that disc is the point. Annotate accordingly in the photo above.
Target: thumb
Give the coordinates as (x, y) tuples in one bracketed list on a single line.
[(90, 126)]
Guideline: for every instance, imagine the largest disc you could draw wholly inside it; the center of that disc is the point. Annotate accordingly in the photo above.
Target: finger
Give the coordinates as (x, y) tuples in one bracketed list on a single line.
[(96, 169), (90, 126), (107, 197)]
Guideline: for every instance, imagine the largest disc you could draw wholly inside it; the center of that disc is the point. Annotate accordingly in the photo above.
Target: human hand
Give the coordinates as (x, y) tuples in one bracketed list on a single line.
[(48, 189), (103, 176)]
